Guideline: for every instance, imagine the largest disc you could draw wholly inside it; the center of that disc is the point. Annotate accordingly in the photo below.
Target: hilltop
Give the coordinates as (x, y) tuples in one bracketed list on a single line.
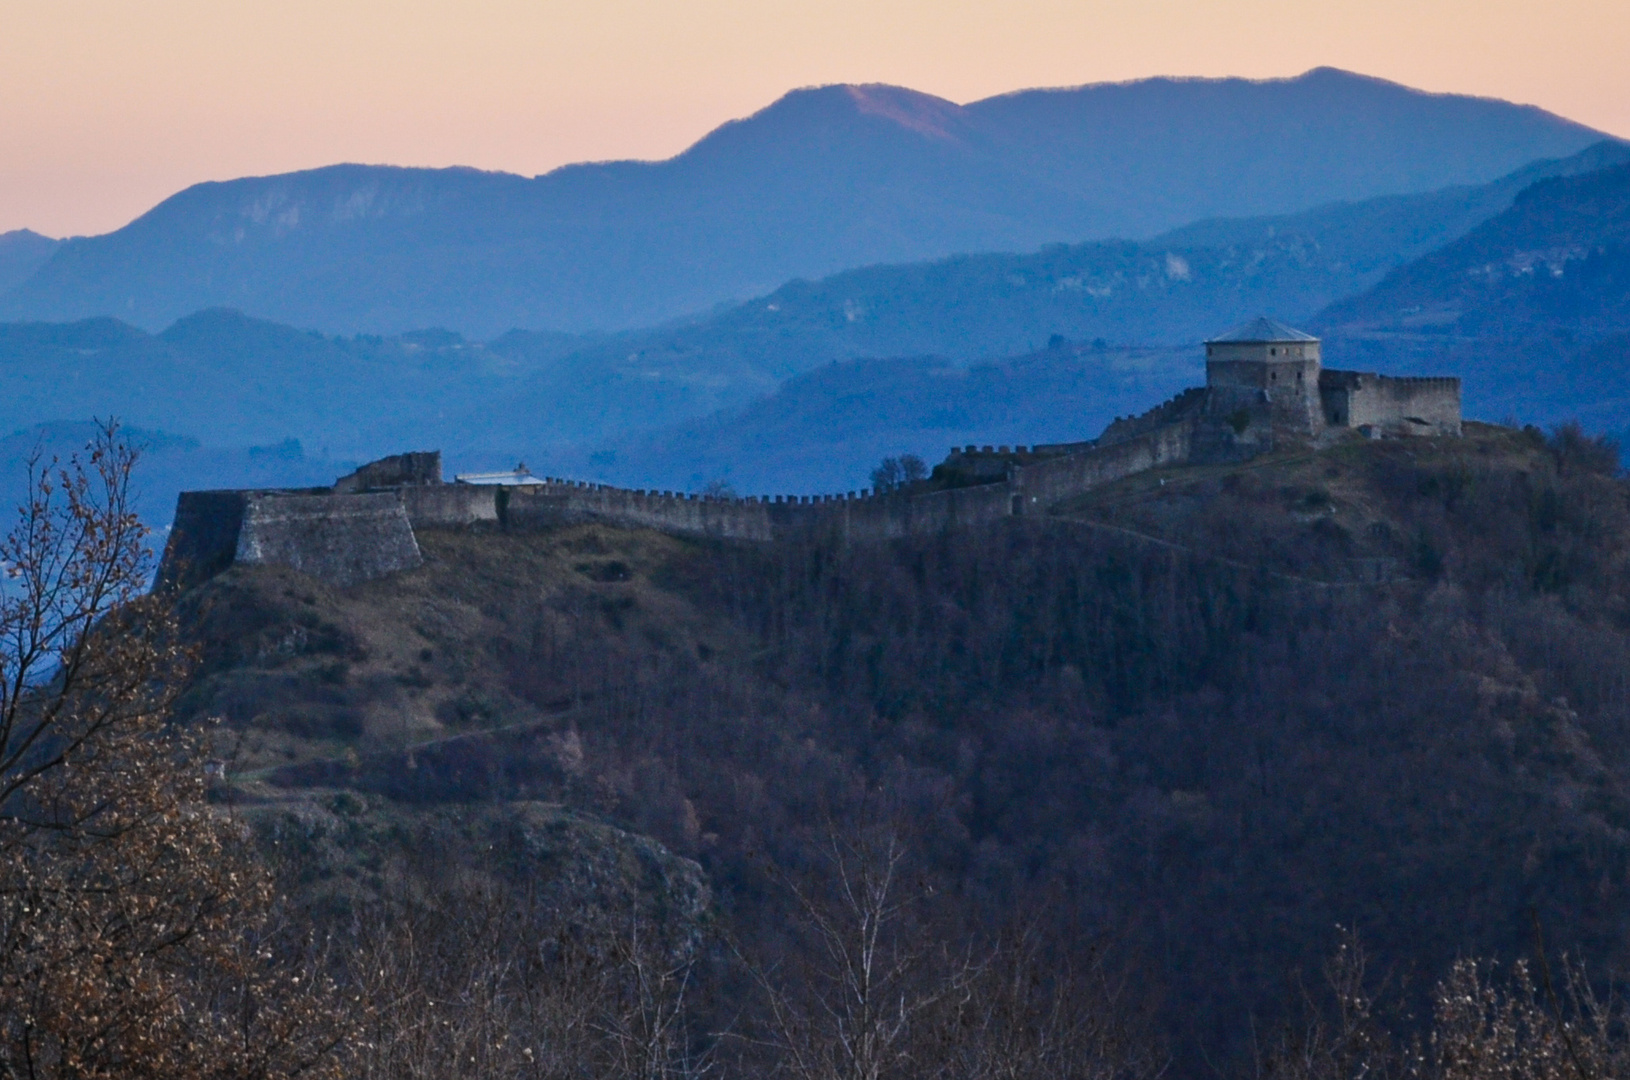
[(1219, 709), (22, 251), (824, 179)]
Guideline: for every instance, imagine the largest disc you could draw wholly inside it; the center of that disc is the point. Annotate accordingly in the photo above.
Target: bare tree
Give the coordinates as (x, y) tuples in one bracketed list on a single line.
[(1342, 1035), (134, 926), (1484, 1027), (886, 988), (888, 475), (851, 1005), (896, 472), (1511, 1028), (474, 979), (1034, 1014), (719, 488)]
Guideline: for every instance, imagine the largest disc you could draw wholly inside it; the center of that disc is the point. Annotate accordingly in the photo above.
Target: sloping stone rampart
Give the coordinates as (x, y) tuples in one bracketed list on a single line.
[(343, 539), (203, 537)]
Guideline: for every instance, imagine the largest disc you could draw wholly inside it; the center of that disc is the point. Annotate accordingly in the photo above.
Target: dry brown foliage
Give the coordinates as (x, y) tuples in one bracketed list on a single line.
[(134, 928), (476, 979), (1485, 1026)]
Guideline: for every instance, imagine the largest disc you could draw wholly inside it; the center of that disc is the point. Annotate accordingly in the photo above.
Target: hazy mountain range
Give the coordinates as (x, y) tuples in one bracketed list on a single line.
[(805, 388), (1519, 284), (1530, 307), (822, 180)]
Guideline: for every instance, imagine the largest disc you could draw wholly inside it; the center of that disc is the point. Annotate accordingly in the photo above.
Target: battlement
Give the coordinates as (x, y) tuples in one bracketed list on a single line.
[(1263, 385)]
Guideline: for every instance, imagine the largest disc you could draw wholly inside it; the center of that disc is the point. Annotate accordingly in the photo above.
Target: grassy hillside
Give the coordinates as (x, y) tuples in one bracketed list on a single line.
[(1207, 714)]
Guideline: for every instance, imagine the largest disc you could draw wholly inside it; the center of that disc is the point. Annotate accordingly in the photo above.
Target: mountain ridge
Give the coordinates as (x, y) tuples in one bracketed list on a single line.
[(821, 180)]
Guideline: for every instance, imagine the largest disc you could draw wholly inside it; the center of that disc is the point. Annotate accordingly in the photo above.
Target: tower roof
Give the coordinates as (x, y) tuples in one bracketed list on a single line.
[(1263, 329)]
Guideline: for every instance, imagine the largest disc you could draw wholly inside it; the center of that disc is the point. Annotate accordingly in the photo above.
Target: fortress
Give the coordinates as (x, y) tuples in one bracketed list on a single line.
[(1265, 389)]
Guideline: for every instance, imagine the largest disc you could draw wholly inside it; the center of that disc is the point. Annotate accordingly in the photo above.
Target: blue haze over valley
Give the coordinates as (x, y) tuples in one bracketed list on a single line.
[(854, 272)]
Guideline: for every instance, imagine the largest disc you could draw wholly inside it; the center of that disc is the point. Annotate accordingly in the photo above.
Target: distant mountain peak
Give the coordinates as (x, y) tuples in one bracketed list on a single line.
[(23, 251), (825, 178), (922, 113), (20, 237)]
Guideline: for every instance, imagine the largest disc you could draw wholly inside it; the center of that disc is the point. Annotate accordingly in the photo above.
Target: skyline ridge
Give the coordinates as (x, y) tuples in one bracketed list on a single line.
[(818, 182), (1320, 71)]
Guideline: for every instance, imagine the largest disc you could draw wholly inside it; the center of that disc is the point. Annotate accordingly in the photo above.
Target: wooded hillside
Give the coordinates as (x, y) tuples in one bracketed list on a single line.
[(1195, 722)]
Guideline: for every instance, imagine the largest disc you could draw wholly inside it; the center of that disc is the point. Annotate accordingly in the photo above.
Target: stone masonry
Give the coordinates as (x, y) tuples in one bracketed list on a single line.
[(1265, 388)]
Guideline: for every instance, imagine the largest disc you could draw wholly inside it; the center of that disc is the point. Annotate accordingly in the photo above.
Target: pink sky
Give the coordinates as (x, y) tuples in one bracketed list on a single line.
[(108, 106)]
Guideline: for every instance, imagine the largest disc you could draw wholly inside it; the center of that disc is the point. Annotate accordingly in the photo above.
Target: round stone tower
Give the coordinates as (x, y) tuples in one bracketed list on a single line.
[(1266, 366)]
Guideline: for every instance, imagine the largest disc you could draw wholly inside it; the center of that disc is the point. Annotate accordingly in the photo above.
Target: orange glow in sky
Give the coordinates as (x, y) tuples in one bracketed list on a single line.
[(108, 106)]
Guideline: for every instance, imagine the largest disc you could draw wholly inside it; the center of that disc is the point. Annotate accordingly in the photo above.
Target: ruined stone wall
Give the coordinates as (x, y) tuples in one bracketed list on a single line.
[(1391, 405), (398, 470), (342, 539)]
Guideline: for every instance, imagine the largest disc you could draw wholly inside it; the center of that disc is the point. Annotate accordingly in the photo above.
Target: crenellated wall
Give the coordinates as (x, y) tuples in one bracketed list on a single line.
[(346, 537), (1257, 394), (1048, 482), (1040, 480), (560, 502)]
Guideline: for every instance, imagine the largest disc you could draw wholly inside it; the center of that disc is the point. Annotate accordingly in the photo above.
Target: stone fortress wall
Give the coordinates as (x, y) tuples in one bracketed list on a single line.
[(1390, 405), (1264, 387), (343, 538)]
